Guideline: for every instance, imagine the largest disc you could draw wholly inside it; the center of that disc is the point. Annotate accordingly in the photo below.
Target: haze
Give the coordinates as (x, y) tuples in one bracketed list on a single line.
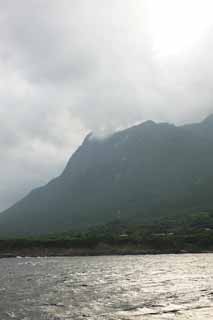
[(73, 66)]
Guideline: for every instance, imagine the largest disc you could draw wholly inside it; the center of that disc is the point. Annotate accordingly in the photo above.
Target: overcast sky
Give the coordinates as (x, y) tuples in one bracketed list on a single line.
[(73, 66)]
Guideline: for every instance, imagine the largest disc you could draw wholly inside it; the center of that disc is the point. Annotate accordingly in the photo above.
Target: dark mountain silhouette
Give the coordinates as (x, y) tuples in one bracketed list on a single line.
[(141, 174)]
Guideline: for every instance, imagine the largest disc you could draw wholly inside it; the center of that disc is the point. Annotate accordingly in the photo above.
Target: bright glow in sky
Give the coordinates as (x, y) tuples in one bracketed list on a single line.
[(176, 26), (70, 67)]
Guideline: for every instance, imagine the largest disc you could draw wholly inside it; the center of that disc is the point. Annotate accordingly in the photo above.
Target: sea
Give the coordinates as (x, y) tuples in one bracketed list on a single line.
[(148, 287)]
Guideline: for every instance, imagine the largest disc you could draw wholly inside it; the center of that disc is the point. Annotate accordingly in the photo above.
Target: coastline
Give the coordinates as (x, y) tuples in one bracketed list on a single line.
[(82, 252)]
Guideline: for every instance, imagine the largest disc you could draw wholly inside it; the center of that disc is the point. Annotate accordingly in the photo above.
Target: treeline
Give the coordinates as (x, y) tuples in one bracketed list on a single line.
[(194, 236), (175, 232)]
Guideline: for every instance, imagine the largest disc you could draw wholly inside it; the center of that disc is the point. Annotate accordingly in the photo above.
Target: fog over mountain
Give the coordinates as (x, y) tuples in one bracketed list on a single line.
[(145, 174), (71, 67)]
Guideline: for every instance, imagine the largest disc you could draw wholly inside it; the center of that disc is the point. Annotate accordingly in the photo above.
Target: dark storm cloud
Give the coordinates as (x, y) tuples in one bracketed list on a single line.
[(69, 67)]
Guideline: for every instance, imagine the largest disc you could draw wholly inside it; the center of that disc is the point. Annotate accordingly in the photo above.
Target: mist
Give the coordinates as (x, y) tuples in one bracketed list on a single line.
[(72, 67)]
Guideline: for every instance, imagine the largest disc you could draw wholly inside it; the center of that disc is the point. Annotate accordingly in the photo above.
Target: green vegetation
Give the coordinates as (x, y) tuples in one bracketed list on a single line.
[(194, 233)]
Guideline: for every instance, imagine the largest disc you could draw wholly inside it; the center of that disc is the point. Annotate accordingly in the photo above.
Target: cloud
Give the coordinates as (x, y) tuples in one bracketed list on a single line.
[(69, 67)]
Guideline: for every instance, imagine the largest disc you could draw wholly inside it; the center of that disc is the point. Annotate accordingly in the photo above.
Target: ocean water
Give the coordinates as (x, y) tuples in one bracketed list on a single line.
[(111, 287)]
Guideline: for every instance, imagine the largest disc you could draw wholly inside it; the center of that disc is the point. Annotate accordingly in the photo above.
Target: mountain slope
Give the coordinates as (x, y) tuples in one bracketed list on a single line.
[(139, 174)]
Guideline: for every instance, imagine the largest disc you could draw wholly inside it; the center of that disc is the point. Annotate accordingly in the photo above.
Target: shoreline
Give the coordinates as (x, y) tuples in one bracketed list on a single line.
[(87, 252)]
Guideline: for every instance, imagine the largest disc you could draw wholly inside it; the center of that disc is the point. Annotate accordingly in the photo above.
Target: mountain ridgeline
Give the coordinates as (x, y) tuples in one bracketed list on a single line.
[(144, 174)]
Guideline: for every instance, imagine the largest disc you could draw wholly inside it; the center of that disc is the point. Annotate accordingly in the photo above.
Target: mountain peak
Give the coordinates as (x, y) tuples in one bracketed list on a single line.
[(140, 173), (87, 137), (209, 119), (149, 123)]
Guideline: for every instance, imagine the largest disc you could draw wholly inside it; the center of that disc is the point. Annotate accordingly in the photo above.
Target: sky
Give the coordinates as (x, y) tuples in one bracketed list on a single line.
[(69, 67)]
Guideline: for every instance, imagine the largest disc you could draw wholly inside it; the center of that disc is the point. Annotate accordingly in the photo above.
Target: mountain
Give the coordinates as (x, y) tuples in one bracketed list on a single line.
[(143, 173)]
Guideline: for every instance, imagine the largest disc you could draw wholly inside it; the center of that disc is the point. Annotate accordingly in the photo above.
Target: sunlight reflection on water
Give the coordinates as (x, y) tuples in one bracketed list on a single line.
[(110, 288)]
